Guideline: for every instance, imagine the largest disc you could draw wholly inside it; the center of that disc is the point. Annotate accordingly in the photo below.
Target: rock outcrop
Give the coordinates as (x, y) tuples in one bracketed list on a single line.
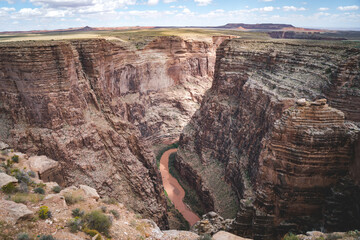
[(262, 151), (12, 212), (6, 179), (92, 105)]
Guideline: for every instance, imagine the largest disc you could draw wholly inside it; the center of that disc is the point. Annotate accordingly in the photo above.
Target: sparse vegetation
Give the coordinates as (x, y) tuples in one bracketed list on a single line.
[(108, 200), (44, 212), (75, 224), (115, 213), (22, 236), (161, 152), (8, 188), (92, 233), (47, 237), (98, 221), (77, 212), (73, 198), (56, 189), (31, 174), (26, 197), (290, 236), (205, 237), (191, 197), (103, 209), (39, 190), (15, 158)]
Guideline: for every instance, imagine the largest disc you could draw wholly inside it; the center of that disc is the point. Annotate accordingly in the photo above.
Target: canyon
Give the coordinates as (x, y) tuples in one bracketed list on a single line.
[(275, 141), (269, 129), (96, 106)]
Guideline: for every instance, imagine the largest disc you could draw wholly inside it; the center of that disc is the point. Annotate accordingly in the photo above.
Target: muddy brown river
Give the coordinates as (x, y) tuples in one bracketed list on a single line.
[(175, 192)]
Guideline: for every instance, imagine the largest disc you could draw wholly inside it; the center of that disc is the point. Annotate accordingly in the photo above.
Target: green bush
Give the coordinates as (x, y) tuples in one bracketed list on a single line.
[(72, 198), (47, 237), (98, 221), (39, 190), (103, 209), (22, 176), (15, 158), (115, 213), (92, 233), (22, 236), (56, 189), (44, 212), (31, 174), (77, 212), (75, 224), (290, 236), (205, 237), (8, 188)]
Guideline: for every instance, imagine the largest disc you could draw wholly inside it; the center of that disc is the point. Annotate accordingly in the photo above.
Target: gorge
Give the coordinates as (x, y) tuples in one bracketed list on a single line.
[(269, 129)]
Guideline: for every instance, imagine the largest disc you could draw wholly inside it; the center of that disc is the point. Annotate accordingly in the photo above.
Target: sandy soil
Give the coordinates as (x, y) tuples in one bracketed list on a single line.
[(175, 192)]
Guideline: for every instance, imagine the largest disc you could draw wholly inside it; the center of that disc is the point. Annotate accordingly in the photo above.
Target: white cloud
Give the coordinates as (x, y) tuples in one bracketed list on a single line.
[(27, 12), (6, 9), (267, 0), (203, 2), (169, 1), (153, 2), (348, 8), (267, 9), (323, 9), (186, 10), (292, 8)]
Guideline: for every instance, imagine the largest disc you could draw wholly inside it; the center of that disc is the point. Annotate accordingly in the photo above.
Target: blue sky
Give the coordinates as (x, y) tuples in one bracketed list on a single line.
[(18, 15)]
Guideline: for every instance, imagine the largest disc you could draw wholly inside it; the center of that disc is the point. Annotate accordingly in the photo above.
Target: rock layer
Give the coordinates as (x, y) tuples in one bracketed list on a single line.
[(89, 104), (281, 156)]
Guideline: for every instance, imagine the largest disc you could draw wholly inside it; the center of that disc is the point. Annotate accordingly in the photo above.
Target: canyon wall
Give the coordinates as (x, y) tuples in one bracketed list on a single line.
[(267, 158), (90, 104)]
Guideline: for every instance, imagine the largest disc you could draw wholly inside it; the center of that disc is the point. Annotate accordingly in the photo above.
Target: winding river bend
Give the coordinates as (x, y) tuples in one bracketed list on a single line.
[(174, 190)]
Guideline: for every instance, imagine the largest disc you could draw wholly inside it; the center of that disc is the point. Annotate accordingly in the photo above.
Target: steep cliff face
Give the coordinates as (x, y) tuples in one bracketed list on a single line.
[(82, 103), (281, 158)]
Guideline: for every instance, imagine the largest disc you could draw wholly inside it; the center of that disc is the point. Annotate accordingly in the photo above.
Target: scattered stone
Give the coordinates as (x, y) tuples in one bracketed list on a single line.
[(211, 223), (4, 146), (6, 179), (175, 234), (90, 192), (222, 235), (12, 212), (322, 101), (301, 102)]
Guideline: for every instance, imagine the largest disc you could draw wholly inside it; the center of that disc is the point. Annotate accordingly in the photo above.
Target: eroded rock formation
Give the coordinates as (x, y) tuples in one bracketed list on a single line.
[(89, 103), (264, 155)]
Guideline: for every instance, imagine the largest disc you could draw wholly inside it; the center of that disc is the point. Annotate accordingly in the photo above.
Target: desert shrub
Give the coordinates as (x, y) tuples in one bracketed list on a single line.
[(103, 209), (22, 236), (56, 189), (47, 237), (44, 212), (290, 236), (72, 198), (31, 174), (26, 197), (98, 221), (333, 236), (92, 233), (22, 176), (354, 233), (75, 225), (115, 213), (8, 188), (39, 190), (15, 158), (23, 187), (205, 237), (108, 200), (77, 212)]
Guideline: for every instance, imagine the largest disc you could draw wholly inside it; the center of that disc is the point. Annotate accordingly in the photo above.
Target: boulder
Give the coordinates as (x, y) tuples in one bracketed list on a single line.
[(6, 179), (12, 212), (90, 192), (222, 235), (47, 169), (3, 146)]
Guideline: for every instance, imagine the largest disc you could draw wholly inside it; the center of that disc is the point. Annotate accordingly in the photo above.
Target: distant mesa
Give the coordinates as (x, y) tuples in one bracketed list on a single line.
[(259, 26)]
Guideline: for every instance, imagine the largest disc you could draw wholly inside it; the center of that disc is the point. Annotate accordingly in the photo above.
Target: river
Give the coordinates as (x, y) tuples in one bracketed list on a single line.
[(174, 190)]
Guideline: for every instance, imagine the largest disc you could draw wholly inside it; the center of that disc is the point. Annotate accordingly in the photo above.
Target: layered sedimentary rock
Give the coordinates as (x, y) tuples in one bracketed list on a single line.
[(83, 102), (261, 152)]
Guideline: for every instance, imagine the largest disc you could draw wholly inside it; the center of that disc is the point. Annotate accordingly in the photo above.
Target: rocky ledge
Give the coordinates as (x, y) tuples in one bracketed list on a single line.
[(275, 136)]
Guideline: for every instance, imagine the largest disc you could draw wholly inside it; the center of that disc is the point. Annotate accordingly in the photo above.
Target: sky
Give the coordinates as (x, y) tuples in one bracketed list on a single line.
[(20, 15)]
